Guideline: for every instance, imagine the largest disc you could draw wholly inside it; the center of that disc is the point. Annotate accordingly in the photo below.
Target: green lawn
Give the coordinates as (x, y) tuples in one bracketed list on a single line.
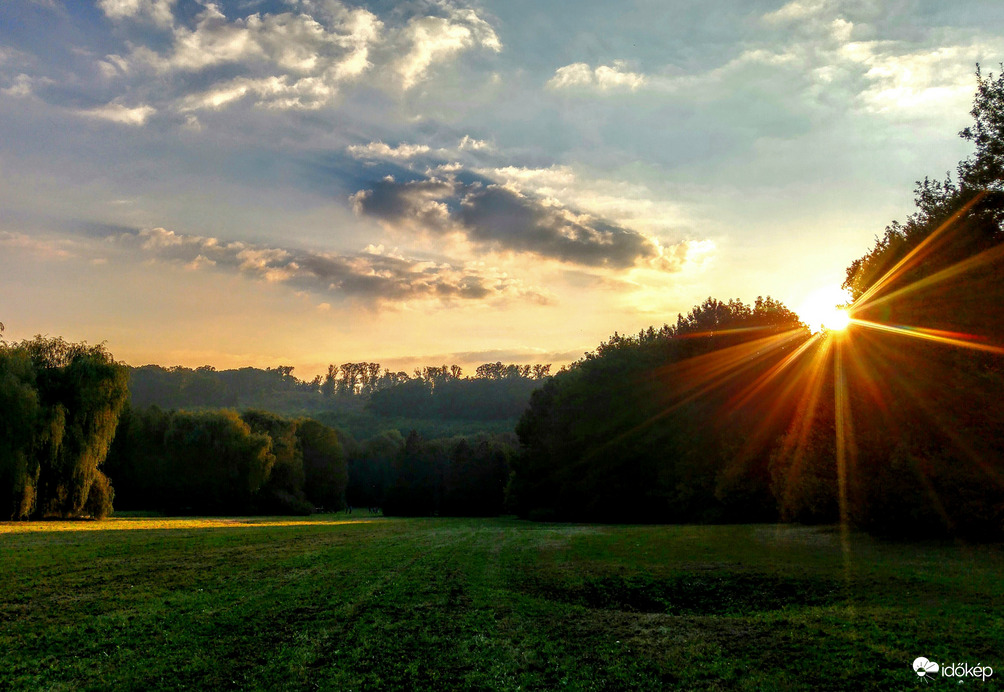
[(367, 603)]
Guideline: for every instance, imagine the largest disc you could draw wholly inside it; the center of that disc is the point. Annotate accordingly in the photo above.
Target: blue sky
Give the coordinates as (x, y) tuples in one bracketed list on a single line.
[(314, 181)]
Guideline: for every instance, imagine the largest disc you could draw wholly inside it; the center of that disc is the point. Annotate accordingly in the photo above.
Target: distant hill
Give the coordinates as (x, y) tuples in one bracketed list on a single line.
[(357, 397)]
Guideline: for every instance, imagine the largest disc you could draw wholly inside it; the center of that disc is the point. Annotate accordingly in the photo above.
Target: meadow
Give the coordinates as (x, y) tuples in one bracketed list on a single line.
[(360, 602)]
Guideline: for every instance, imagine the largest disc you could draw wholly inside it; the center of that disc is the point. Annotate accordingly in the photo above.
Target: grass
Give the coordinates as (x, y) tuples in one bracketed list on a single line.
[(354, 602)]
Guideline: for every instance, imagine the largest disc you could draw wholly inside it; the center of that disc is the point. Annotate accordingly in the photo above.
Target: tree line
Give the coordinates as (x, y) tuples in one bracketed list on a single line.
[(412, 476), (737, 413), (495, 391), (256, 462), (71, 446), (733, 413), (222, 462)]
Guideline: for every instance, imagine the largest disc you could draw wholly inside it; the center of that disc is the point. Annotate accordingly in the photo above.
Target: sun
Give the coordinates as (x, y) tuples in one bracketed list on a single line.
[(820, 309), (837, 321)]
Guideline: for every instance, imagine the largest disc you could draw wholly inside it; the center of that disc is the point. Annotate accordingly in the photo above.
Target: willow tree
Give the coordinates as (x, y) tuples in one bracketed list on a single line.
[(59, 407)]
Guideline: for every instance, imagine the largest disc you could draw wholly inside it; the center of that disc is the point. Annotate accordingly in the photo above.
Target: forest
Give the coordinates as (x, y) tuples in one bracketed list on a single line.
[(496, 390), (735, 412)]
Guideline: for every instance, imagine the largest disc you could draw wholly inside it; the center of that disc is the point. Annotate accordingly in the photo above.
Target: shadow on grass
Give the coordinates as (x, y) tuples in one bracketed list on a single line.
[(690, 594)]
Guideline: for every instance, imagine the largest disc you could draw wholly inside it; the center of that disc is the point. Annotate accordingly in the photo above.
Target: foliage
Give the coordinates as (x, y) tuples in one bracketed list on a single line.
[(19, 428), (622, 435), (450, 477), (707, 421), (496, 392), (324, 465), (214, 463), (218, 462), (934, 460), (283, 493), (60, 405), (370, 468)]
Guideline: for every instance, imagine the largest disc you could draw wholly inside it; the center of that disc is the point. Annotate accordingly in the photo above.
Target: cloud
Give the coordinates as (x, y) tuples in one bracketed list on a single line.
[(117, 113), (507, 219), (43, 248), (794, 11), (404, 152), (290, 60), (630, 204), (22, 85), (434, 39), (379, 150), (282, 93), (927, 82), (825, 56), (418, 204), (469, 143), (603, 77), (500, 218), (370, 275), (158, 12), (918, 77)]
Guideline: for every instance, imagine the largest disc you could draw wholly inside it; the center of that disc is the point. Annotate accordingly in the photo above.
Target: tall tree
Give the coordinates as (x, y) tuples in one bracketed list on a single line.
[(61, 402), (324, 465)]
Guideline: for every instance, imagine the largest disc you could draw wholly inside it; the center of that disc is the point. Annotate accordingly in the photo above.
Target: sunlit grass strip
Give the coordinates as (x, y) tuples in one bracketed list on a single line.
[(164, 524)]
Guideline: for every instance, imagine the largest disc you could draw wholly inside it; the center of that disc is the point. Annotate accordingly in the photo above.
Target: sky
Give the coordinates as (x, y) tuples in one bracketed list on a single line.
[(305, 182)]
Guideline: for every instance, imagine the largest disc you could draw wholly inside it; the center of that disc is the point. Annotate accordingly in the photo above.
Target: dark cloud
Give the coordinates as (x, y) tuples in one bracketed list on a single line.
[(421, 202), (369, 275), (503, 219), (509, 220)]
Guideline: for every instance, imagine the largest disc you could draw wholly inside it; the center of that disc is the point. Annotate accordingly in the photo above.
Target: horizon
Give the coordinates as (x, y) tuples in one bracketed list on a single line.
[(304, 183)]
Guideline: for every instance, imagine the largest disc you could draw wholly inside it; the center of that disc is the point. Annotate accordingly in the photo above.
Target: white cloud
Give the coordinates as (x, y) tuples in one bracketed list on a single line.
[(603, 77), (795, 11), (938, 82), (117, 113), (379, 150), (306, 93), (468, 142), (818, 56), (289, 61), (158, 12), (434, 39), (294, 60), (22, 86)]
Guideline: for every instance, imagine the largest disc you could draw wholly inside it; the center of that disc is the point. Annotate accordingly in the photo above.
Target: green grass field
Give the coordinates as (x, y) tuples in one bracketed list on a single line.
[(367, 603)]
